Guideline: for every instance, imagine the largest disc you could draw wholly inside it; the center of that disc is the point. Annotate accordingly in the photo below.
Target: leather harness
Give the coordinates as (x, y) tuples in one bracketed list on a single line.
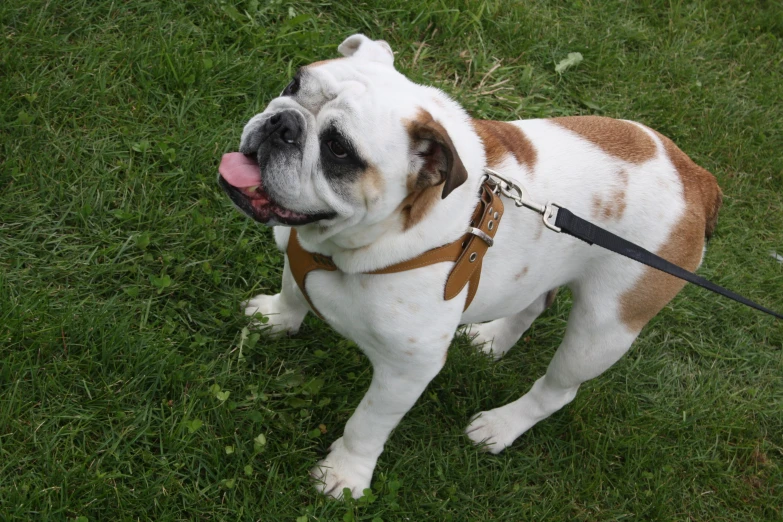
[(467, 253)]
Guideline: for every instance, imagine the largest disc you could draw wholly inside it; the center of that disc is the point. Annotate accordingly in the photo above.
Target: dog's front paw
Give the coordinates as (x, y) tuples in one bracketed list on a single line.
[(342, 469), (492, 431), (281, 320)]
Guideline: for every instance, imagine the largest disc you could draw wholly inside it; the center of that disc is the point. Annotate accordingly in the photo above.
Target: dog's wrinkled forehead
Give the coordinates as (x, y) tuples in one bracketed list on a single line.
[(367, 66)]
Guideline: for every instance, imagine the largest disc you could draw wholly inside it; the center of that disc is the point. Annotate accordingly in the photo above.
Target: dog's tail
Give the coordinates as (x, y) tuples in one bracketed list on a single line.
[(712, 205)]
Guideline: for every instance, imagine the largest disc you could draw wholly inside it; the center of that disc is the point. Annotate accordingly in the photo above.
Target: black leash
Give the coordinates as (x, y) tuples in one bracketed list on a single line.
[(591, 234), (568, 222)]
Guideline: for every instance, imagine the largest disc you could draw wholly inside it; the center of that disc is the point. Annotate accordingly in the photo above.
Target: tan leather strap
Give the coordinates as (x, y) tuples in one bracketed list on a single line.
[(467, 253), (301, 262), (468, 265)]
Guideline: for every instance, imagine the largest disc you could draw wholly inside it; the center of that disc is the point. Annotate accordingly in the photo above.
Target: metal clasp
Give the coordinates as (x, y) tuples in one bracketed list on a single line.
[(521, 198), (513, 191)]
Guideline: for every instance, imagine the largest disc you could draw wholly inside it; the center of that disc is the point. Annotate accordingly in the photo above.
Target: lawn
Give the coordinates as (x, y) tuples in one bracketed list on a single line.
[(129, 388)]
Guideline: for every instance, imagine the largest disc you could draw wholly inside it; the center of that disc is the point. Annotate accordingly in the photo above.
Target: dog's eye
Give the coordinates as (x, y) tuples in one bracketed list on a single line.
[(337, 149), (292, 88)]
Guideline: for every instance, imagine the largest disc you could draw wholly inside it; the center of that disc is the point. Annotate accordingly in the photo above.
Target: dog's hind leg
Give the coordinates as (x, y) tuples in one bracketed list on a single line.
[(595, 339), (495, 338)]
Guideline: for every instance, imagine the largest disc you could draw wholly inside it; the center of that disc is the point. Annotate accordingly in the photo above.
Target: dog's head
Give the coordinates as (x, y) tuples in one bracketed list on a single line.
[(348, 142)]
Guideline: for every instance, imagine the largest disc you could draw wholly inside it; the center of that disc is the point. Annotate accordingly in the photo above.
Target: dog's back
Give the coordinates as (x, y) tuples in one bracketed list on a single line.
[(622, 176)]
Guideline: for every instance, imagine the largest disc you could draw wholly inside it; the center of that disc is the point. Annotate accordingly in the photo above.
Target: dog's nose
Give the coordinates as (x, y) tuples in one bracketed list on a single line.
[(285, 125)]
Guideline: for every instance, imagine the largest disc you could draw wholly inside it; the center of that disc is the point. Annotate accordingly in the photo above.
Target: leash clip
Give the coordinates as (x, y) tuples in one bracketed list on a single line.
[(521, 198), (515, 192)]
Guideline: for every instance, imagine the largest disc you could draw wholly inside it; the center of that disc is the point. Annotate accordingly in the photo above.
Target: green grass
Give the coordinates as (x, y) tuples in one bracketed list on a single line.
[(122, 266)]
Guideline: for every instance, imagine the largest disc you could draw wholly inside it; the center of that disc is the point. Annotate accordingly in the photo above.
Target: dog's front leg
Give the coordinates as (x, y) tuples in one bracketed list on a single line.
[(285, 310), (396, 385)]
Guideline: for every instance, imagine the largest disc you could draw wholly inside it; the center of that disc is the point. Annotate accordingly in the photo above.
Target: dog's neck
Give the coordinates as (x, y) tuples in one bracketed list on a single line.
[(387, 242)]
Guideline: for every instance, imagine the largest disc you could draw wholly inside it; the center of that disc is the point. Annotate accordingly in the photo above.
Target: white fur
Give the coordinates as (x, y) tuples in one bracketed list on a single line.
[(401, 321)]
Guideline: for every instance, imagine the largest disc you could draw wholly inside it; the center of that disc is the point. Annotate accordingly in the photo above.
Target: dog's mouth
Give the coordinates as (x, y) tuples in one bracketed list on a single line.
[(240, 178)]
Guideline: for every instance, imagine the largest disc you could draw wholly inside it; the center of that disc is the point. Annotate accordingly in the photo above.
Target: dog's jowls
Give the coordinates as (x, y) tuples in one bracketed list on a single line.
[(373, 169)]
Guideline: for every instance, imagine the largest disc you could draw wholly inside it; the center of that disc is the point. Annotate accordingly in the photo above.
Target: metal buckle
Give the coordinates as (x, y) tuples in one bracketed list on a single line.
[(482, 235)]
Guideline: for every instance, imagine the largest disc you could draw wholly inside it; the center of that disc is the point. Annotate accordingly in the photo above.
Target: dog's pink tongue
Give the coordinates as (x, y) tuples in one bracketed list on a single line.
[(239, 170)]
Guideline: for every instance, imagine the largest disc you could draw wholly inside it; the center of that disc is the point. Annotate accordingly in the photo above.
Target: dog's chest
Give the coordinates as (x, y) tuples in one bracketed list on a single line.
[(387, 312)]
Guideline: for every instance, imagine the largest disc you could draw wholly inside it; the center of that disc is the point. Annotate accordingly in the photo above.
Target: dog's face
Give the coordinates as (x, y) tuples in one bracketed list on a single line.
[(346, 142)]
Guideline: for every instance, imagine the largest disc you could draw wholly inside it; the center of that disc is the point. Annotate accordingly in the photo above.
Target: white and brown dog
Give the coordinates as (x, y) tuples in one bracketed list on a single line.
[(371, 169)]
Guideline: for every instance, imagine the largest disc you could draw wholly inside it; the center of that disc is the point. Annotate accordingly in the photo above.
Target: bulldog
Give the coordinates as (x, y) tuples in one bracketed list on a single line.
[(371, 170)]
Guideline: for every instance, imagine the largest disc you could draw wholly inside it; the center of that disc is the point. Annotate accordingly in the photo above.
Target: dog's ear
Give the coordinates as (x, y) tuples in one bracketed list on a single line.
[(434, 158), (362, 47)]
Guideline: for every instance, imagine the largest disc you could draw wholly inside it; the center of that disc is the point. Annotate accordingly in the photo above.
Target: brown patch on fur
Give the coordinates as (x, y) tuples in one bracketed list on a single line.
[(597, 205), (621, 207), (550, 297), (617, 138), (614, 206), (441, 173), (442, 163), (501, 138), (417, 205), (411, 340), (409, 353), (521, 274), (445, 356), (618, 208), (684, 245), (371, 185), (444, 336)]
